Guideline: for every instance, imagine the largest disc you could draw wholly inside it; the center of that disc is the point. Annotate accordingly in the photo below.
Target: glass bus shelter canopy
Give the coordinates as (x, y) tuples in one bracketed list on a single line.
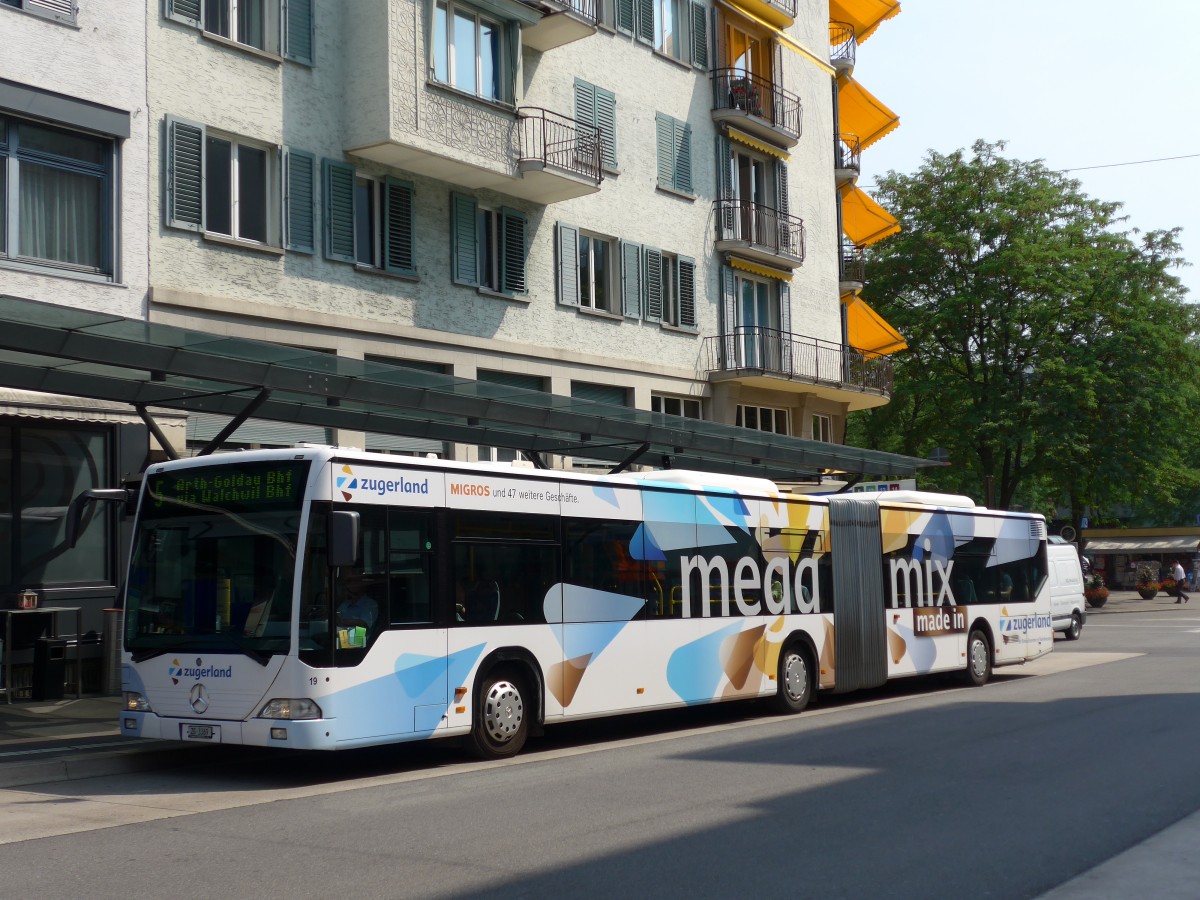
[(62, 350)]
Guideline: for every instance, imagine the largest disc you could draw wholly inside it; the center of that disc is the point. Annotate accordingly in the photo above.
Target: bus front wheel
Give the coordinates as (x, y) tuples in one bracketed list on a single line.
[(501, 716), (794, 680), (979, 658)]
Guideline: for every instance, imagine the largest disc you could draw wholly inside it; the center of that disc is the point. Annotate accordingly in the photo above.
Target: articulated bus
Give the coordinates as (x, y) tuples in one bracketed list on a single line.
[(323, 598)]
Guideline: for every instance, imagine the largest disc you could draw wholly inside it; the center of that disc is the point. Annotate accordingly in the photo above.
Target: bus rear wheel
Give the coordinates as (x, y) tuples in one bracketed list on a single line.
[(1075, 628), (979, 658), (501, 716), (794, 680)]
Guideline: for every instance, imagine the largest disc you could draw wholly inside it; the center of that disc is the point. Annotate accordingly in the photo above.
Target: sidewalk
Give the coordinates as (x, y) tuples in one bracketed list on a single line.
[(65, 739)]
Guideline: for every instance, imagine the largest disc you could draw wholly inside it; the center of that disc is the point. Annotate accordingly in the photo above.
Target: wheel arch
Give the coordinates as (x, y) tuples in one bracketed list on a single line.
[(805, 640), (524, 661)]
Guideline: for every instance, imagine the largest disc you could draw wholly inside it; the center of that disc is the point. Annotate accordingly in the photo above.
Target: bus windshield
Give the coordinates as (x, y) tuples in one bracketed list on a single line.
[(214, 553)]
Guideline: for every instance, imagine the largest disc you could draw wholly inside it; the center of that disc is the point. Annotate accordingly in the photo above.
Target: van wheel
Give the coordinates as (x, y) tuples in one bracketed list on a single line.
[(794, 681), (979, 658), (1076, 627), (501, 716)]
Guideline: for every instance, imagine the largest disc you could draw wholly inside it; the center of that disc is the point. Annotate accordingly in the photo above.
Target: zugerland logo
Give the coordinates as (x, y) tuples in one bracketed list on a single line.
[(198, 671), (348, 482)]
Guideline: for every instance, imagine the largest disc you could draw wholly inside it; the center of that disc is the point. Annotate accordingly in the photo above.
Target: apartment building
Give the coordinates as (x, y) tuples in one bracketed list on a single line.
[(646, 203), (635, 201)]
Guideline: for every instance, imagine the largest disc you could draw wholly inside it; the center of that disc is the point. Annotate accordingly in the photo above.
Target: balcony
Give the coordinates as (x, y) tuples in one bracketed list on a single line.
[(561, 23), (756, 106), (852, 269), (759, 233), (558, 157), (843, 47), (777, 13), (847, 158), (761, 357)]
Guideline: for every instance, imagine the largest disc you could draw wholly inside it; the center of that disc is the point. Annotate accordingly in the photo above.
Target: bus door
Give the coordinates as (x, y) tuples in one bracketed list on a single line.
[(859, 628)]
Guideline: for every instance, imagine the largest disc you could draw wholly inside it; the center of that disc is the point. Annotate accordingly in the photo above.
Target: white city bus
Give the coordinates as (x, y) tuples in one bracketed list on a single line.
[(323, 598)]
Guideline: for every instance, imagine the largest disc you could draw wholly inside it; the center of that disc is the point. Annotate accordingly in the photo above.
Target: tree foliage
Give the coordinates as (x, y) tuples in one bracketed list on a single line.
[(1051, 353)]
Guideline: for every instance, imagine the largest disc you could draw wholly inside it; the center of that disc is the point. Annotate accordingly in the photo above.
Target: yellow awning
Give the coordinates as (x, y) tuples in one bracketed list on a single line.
[(867, 331), (758, 269), (861, 113), (863, 16), (761, 146), (864, 221)]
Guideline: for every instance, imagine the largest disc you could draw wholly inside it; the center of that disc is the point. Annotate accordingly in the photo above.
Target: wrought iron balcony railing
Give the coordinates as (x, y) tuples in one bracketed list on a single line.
[(847, 152), (735, 89), (771, 351), (787, 7), (588, 10), (561, 142), (760, 226), (843, 45), (853, 264)]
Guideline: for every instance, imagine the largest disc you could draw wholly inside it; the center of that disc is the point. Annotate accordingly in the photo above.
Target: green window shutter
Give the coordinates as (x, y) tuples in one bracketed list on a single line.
[(654, 264), (631, 279), (568, 265), (699, 34), (298, 31), (300, 186), (724, 175), (185, 174), (785, 308), (464, 240), (781, 187), (585, 102), (625, 14), (512, 262), (186, 11), (606, 121), (687, 292), (663, 132), (728, 304), (683, 157), (645, 21), (398, 226), (338, 180)]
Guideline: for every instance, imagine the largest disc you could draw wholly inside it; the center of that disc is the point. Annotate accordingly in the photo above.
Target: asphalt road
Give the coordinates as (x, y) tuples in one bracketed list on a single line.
[(921, 789)]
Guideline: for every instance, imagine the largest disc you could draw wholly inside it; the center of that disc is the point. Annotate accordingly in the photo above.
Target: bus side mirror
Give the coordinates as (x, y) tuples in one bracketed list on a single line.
[(75, 511), (343, 538)]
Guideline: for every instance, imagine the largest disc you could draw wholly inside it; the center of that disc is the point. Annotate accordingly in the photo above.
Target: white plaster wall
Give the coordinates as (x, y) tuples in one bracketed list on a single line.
[(322, 110), (100, 59)]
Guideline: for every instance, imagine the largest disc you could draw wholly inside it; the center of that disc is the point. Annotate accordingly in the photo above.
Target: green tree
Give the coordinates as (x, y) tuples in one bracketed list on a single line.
[(1051, 353)]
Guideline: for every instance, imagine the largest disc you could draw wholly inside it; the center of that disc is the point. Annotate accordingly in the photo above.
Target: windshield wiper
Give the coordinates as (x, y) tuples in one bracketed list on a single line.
[(143, 655)]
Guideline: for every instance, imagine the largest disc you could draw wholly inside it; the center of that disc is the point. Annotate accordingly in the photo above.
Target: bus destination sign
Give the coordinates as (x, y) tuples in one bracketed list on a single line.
[(274, 484)]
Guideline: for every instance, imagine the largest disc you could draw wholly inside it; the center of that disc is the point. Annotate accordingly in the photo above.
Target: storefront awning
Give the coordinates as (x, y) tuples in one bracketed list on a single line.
[(761, 146), (83, 353), (759, 269), (864, 221), (1187, 543), (866, 330), (860, 112), (864, 16)]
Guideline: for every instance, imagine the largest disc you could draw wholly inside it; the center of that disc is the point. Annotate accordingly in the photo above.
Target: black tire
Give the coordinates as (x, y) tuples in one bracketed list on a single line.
[(794, 680), (1075, 628), (979, 658), (502, 712)]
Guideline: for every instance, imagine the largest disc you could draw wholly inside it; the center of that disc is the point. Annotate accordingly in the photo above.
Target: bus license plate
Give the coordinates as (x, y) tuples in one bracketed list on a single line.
[(200, 732)]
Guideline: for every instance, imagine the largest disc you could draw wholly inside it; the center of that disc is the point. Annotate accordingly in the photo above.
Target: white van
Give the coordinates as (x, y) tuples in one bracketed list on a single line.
[(1066, 588)]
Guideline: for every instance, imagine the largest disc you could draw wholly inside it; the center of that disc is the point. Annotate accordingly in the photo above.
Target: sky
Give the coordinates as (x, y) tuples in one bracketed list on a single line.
[(1073, 83)]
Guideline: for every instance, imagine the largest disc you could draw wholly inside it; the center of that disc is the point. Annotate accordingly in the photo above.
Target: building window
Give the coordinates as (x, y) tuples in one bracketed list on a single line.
[(273, 26), (368, 221), (59, 10), (487, 246), (674, 142), (822, 428), (596, 268), (237, 189), (56, 188), (598, 107), (468, 52), (670, 289), (676, 28), (687, 407), (763, 418)]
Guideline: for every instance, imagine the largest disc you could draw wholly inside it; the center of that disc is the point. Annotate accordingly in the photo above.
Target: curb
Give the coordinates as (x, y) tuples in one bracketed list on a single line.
[(71, 763)]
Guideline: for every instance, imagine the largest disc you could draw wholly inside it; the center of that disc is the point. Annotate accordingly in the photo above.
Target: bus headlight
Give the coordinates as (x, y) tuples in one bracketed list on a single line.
[(135, 702), (290, 708)]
